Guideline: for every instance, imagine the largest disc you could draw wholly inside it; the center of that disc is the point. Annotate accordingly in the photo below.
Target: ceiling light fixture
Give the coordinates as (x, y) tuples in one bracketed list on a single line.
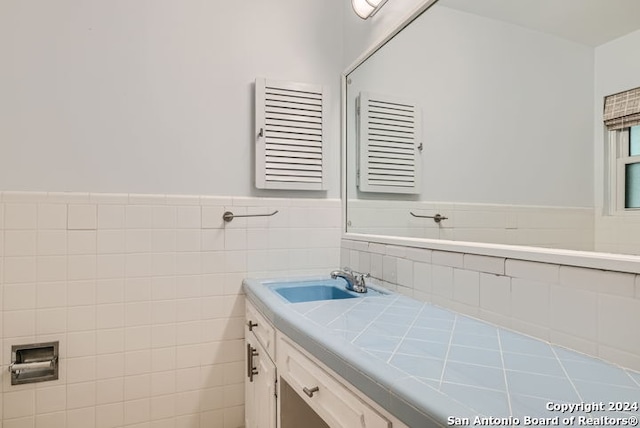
[(367, 8)]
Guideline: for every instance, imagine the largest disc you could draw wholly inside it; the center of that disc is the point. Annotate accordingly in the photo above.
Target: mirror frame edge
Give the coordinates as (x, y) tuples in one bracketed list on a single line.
[(585, 259)]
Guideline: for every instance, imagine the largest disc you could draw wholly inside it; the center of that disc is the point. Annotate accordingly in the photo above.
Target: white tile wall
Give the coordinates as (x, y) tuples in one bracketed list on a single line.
[(589, 310), (144, 294)]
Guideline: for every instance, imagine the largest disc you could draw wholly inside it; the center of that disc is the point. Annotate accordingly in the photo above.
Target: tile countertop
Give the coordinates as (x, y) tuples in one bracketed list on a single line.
[(427, 365)]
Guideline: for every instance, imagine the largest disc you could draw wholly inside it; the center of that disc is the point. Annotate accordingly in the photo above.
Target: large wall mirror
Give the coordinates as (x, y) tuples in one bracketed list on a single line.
[(489, 113)]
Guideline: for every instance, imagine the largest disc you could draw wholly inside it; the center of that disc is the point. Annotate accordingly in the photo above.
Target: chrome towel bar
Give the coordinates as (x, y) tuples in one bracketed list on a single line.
[(437, 218), (228, 215)]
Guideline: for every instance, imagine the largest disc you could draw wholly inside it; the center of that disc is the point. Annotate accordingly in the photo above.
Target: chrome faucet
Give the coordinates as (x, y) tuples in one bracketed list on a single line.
[(355, 280)]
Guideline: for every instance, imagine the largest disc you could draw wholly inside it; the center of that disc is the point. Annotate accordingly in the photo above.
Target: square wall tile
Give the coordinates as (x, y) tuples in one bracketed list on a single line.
[(484, 263), (442, 281), (81, 369), (111, 216), (81, 344), (189, 217), (236, 239), (51, 420), (81, 418), (212, 217), (164, 217), (20, 242), (188, 240), (163, 407), (81, 395), (137, 411), (82, 217), (446, 258), (110, 266), (51, 268), (81, 267), (422, 277), (530, 301), (81, 293), (616, 316), (466, 287), (389, 268), (532, 270), (495, 293), (19, 296), (51, 294), (109, 415), (138, 217), (138, 241), (109, 391), (19, 323), (81, 242), (51, 321), (51, 242), (405, 272), (110, 366), (81, 318), (52, 216), (573, 312), (110, 341), (19, 270), (18, 404), (20, 216)]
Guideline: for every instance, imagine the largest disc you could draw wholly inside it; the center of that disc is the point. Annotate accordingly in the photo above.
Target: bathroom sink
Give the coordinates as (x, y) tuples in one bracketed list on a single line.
[(309, 291)]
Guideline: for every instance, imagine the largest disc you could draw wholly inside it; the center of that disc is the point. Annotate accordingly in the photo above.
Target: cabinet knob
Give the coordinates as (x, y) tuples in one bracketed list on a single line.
[(251, 324), (311, 391)]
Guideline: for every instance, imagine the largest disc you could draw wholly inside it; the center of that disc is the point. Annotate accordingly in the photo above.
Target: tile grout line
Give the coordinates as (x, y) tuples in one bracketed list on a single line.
[(567, 374), (413, 323), (504, 372), (637, 382), (373, 320), (446, 357)]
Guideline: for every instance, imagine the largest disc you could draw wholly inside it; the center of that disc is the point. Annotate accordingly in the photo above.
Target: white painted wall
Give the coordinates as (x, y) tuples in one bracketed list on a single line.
[(616, 69), (496, 101), (152, 96)]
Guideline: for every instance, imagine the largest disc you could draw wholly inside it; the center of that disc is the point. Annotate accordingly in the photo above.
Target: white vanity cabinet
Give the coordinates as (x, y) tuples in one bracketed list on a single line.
[(260, 376), (336, 404), (309, 393)]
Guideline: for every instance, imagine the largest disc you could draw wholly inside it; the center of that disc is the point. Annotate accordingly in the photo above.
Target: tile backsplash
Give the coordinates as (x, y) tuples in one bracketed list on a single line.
[(144, 294), (590, 310)]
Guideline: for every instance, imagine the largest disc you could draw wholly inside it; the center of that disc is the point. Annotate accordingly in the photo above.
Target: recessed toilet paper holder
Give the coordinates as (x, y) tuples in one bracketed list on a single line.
[(35, 362)]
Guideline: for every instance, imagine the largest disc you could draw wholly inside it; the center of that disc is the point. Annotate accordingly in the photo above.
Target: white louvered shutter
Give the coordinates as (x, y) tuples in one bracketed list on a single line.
[(389, 142), (290, 136)]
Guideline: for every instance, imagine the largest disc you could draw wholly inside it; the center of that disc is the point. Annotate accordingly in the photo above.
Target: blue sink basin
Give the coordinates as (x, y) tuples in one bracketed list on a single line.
[(309, 293)]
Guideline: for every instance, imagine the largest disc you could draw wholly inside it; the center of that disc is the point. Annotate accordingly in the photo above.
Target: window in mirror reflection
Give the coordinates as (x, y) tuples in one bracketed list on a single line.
[(632, 185), (632, 169), (625, 170), (634, 138)]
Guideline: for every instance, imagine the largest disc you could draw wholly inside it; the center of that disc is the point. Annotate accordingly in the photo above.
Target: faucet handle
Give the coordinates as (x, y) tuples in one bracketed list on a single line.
[(360, 278)]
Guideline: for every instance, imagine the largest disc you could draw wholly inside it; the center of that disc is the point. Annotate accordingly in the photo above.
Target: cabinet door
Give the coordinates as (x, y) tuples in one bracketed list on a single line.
[(260, 386)]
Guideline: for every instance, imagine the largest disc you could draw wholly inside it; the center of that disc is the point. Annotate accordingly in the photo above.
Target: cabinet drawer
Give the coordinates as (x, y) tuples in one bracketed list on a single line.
[(332, 401), (260, 327)]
